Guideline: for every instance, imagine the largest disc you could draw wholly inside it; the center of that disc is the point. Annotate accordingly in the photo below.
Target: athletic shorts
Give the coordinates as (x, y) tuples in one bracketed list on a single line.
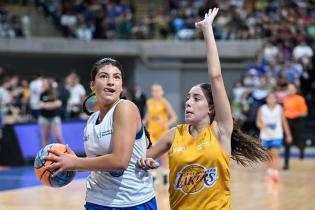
[(275, 143), (43, 121), (150, 205)]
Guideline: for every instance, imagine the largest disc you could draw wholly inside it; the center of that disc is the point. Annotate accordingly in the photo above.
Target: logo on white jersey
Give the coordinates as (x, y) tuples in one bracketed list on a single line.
[(103, 133)]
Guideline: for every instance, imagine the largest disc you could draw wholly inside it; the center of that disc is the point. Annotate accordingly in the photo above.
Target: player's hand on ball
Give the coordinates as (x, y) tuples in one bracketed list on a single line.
[(61, 161), (147, 163)]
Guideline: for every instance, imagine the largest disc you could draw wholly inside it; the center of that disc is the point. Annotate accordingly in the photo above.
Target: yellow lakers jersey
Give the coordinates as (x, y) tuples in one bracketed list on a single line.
[(199, 172), (157, 118)]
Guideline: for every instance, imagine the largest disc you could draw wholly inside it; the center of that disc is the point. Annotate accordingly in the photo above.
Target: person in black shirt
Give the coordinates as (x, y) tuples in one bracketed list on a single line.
[(139, 98), (49, 117)]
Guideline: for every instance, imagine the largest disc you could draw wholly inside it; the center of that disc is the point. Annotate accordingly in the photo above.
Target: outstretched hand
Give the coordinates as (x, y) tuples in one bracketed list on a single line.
[(61, 161), (147, 163), (208, 20)]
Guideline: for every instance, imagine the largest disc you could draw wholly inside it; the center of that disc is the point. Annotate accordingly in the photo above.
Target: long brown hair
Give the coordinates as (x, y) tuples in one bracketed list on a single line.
[(245, 149)]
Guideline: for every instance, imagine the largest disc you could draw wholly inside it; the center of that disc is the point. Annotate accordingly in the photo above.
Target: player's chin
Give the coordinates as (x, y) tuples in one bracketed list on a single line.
[(189, 119), (110, 97)]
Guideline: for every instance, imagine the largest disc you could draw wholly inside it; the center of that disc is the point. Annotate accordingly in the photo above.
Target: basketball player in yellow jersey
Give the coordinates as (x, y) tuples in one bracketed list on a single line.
[(159, 117), (200, 150)]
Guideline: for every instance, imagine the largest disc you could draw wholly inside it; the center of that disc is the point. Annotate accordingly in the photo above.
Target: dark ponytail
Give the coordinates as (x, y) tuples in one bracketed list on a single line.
[(148, 138), (245, 149)]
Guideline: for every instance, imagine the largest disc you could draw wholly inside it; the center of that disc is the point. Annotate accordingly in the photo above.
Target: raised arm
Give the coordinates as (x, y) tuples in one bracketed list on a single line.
[(223, 114)]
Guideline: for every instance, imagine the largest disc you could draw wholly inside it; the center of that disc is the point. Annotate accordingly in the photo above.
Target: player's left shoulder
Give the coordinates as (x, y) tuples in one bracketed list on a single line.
[(126, 105)]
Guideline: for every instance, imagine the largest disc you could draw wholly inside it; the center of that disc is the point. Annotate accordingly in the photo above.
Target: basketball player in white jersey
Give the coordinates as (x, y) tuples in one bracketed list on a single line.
[(271, 122), (114, 139)]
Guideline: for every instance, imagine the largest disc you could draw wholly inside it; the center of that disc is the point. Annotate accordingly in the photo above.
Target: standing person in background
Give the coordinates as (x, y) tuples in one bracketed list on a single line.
[(271, 122), (295, 110), (114, 138), (159, 117), (36, 87), (25, 97), (64, 96), (49, 117), (77, 94), (200, 150), (139, 98)]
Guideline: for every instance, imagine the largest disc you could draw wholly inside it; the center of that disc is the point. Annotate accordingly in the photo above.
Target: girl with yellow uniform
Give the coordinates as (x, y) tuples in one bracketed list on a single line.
[(200, 150), (159, 117)]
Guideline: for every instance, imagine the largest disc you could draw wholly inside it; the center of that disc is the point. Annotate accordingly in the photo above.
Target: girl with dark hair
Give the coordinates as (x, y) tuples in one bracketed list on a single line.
[(200, 150), (114, 138)]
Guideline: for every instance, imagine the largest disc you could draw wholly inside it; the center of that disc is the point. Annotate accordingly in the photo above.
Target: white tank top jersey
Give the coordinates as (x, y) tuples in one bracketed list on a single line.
[(272, 119), (115, 188)]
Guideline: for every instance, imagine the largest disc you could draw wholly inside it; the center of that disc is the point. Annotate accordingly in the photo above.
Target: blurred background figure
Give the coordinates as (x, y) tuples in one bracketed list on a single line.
[(36, 87), (77, 94), (295, 110), (64, 96), (160, 116), (49, 117), (139, 98), (272, 122)]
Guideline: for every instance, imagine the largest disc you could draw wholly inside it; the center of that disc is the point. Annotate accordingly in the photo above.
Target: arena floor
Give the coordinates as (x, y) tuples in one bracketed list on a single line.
[(20, 190)]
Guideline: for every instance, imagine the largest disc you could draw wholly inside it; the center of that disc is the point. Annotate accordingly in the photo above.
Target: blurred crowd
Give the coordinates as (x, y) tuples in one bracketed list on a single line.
[(20, 99), (11, 25), (281, 61), (115, 19)]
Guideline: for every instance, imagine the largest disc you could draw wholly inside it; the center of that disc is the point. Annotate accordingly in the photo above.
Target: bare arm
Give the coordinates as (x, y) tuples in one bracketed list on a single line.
[(162, 146), (286, 128), (223, 114), (50, 105), (259, 122)]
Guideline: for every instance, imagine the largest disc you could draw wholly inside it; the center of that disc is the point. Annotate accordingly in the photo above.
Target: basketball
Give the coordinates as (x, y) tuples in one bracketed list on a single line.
[(45, 175)]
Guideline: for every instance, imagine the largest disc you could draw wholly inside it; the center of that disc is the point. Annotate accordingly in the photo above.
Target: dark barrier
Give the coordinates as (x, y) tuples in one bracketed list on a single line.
[(21, 142)]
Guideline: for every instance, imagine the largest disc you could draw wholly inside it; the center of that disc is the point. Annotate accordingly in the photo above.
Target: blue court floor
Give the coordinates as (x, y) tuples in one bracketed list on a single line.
[(20, 177)]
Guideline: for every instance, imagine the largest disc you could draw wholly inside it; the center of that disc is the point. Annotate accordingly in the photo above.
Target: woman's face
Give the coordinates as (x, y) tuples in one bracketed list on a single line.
[(107, 84), (196, 106), (271, 100), (157, 91), (292, 89)]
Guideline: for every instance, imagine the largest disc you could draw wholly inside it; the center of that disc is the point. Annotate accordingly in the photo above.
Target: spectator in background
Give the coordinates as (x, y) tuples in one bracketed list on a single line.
[(77, 94), (5, 98), (303, 53), (239, 103), (36, 87), (281, 88), (49, 117), (64, 96), (252, 79), (139, 98), (295, 110), (25, 97), (125, 93)]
